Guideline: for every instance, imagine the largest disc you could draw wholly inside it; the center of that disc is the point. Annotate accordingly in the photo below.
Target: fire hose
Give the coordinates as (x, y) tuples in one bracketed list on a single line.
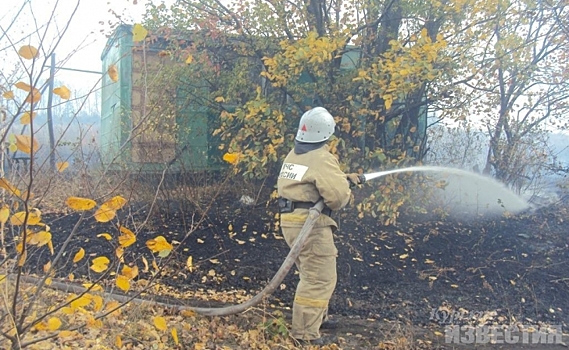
[(313, 215)]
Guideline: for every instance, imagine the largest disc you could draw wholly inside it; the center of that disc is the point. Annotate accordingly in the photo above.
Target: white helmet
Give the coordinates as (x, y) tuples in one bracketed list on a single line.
[(316, 125)]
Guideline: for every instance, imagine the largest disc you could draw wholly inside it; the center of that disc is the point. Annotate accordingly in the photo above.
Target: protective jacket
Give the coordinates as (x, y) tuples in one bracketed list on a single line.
[(308, 177)]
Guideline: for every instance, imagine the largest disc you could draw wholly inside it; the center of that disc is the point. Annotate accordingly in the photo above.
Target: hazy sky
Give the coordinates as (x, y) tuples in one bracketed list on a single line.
[(86, 33)]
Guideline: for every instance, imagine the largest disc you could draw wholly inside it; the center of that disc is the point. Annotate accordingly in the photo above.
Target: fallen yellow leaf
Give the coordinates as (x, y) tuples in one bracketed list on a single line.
[(100, 264), (53, 324), (175, 336), (158, 244), (79, 255), (130, 272), (123, 283), (160, 323), (127, 238), (106, 236)]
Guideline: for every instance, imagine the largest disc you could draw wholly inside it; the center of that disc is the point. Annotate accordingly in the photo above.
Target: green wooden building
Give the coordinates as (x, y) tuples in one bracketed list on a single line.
[(147, 124)]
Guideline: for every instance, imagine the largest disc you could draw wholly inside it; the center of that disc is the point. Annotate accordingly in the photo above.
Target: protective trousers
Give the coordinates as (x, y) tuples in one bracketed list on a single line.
[(317, 267)]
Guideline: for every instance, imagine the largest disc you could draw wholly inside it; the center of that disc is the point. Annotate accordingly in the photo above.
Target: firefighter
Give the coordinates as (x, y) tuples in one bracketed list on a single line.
[(310, 172)]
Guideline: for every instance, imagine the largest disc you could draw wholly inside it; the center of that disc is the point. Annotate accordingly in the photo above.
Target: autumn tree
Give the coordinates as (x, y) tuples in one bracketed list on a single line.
[(375, 65), (518, 89), (379, 66), (31, 260)]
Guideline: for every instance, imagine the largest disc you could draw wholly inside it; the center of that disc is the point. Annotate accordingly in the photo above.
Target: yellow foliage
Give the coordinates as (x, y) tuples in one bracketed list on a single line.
[(158, 244), (160, 323), (66, 334), (79, 255), (33, 97), (40, 239), (97, 302), (34, 217), (113, 305), (105, 214), (130, 272), (100, 264), (92, 322), (62, 92), (139, 33), (123, 283), (27, 118), (79, 302), (80, 204), (231, 158), (53, 324), (22, 258), (115, 203), (25, 143), (388, 100), (113, 73), (105, 235), (4, 213), (175, 336), (61, 166), (9, 95), (28, 52), (94, 287), (119, 252), (190, 59), (127, 238), (5, 184), (23, 86)]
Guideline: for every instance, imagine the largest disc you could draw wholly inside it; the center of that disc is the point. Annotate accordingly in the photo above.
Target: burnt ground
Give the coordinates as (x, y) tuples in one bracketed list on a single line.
[(401, 281)]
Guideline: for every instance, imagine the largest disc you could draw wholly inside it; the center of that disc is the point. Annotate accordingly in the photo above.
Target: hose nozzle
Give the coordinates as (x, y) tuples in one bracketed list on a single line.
[(361, 180)]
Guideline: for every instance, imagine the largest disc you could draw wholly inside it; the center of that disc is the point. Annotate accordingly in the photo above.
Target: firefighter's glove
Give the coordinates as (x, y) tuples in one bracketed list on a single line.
[(354, 179)]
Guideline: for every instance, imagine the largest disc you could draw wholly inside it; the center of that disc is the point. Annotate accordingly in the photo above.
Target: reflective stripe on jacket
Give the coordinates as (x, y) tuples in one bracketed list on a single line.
[(307, 178)]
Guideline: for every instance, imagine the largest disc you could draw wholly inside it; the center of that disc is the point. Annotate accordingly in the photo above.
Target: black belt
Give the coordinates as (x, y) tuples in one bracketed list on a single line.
[(299, 205)]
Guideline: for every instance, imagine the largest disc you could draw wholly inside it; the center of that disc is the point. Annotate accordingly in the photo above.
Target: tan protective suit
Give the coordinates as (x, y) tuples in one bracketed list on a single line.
[(307, 178)]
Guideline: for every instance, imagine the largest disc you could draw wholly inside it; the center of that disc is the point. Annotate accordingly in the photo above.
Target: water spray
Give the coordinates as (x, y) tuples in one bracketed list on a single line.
[(313, 215)]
